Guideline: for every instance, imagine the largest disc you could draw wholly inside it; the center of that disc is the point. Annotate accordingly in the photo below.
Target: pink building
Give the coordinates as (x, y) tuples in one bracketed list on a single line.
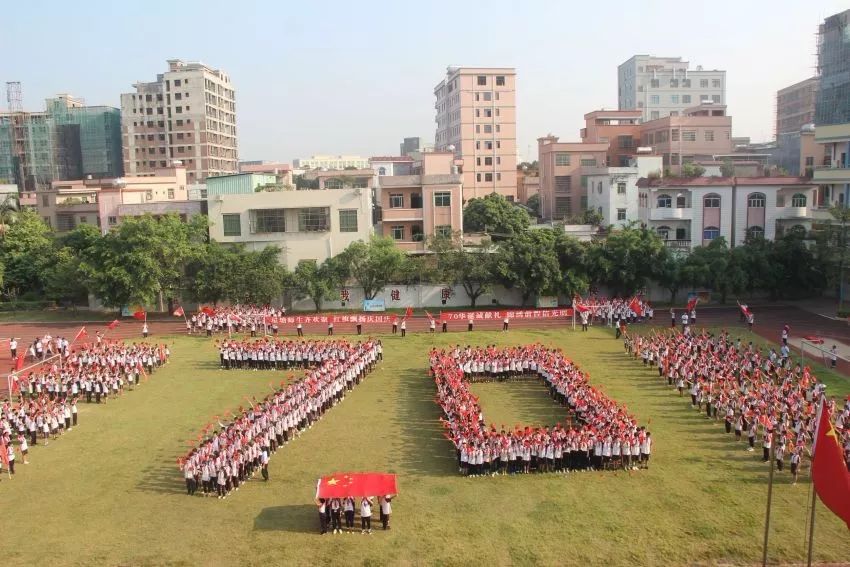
[(563, 186), (283, 171), (104, 202), (476, 119), (620, 129), (699, 134), (427, 203)]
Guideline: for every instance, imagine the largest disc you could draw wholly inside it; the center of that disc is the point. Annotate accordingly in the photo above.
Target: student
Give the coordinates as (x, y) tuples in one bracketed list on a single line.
[(145, 330), (685, 322), (432, 326), (751, 319), (505, 324), (348, 508), (330, 327), (445, 326), (264, 463), (833, 356), (336, 511), (299, 328), (785, 330), (395, 324), (403, 327), (386, 510), (795, 463), (470, 324), (359, 328), (13, 346), (322, 505), (366, 515), (584, 321)]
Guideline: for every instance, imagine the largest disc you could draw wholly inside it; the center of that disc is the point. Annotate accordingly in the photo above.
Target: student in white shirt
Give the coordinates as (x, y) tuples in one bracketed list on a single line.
[(386, 510), (365, 515)]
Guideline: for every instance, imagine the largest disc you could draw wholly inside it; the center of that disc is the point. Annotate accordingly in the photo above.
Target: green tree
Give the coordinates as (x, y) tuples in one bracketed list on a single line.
[(670, 275), (371, 264), (727, 169), (258, 276), (627, 259), (832, 241), (472, 269), (26, 251), (533, 203), (63, 279), (315, 282), (9, 209), (496, 215), (209, 275), (572, 260), (692, 170), (528, 262)]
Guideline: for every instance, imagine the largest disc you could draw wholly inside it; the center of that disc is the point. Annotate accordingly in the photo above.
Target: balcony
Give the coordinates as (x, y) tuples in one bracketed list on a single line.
[(410, 246), (678, 244), (666, 213), (793, 213), (827, 174), (402, 214)]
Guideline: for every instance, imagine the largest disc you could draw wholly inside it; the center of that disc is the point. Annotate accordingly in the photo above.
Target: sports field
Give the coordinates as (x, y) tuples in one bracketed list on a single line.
[(109, 492)]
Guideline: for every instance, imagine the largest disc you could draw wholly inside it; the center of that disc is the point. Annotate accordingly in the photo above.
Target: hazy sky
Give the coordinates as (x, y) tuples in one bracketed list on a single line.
[(356, 77)]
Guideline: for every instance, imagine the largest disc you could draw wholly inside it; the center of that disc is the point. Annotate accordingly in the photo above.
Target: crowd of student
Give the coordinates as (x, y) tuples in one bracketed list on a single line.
[(600, 434), (50, 393), (273, 354), (332, 511), (251, 319), (762, 397), (235, 451)]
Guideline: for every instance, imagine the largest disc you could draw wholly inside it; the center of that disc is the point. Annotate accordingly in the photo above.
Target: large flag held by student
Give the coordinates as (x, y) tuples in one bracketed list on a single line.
[(744, 309), (19, 362), (579, 306), (408, 312), (113, 324), (635, 306), (80, 334), (829, 472), (692, 303), (179, 312), (341, 485), (140, 315)]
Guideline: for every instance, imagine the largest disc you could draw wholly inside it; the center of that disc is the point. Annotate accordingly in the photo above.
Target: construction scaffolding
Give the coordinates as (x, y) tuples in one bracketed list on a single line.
[(833, 99)]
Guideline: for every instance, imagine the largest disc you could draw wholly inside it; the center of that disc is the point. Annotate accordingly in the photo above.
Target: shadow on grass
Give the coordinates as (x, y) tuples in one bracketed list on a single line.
[(425, 451), (297, 518), (163, 477)]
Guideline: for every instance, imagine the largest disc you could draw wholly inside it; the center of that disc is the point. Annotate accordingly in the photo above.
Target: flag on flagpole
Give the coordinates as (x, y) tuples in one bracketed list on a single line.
[(19, 362), (4, 454), (140, 315), (408, 312), (81, 333), (578, 306), (207, 310), (829, 472), (635, 306), (113, 324), (179, 312), (744, 309), (692, 303)]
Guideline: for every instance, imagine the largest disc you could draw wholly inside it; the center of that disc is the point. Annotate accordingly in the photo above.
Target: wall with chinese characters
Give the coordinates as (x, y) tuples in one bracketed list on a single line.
[(401, 296)]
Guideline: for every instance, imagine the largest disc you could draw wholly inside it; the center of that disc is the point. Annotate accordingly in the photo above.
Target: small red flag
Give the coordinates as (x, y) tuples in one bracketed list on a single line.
[(206, 310), (408, 312), (113, 324), (81, 333), (140, 315), (19, 362), (829, 472), (179, 312)]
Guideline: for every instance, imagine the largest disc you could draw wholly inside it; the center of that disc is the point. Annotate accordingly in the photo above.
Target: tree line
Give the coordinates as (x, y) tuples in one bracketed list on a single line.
[(157, 261)]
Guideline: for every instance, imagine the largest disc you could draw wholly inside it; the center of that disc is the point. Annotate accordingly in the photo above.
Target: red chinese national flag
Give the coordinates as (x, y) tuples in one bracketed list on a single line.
[(19, 362), (113, 324), (206, 310), (140, 315), (692, 303), (179, 312), (579, 307), (4, 455), (80, 334), (340, 485), (829, 472), (408, 312), (635, 306), (744, 309)]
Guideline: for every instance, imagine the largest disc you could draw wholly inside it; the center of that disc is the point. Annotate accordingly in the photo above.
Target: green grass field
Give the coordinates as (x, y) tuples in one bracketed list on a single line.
[(109, 493)]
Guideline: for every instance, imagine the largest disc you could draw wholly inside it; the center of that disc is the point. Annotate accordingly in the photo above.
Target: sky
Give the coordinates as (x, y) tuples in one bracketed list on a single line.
[(343, 77)]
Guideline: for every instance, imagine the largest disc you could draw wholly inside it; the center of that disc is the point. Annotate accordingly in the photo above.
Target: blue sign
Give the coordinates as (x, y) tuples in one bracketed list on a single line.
[(374, 305)]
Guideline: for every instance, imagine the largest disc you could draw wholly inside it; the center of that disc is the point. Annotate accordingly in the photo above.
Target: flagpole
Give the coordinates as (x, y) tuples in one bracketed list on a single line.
[(812, 525), (769, 501)]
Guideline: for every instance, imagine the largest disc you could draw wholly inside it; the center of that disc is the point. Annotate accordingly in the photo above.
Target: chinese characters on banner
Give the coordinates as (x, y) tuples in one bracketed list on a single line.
[(395, 295), (509, 313), (344, 295)]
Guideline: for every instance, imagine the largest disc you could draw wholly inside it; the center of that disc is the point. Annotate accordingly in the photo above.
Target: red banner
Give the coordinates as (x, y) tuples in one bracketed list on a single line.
[(509, 313), (305, 319), (341, 485)]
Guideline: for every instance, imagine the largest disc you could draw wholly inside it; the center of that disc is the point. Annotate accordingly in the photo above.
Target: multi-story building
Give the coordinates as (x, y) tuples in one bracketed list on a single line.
[(832, 109), (104, 201), (307, 225), (476, 119), (613, 191), (283, 171), (410, 145), (795, 106), (620, 129), (187, 114), (666, 86), (391, 165), (68, 140), (563, 183), (331, 162), (689, 212), (527, 184), (427, 203), (700, 133)]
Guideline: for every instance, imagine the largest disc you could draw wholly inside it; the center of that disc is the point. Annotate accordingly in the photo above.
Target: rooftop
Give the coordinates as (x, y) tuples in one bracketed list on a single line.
[(784, 181)]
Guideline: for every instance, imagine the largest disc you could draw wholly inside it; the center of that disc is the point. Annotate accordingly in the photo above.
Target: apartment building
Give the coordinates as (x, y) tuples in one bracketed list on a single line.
[(620, 129), (331, 162), (307, 225), (613, 191), (689, 212), (103, 202), (187, 114), (563, 182), (392, 165), (832, 108), (427, 203), (795, 106), (476, 120), (666, 86), (699, 133)]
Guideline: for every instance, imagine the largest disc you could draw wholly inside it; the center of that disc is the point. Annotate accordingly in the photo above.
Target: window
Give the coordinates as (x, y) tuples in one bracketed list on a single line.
[(755, 232), (674, 82), (84, 220), (709, 135), (663, 232), (231, 223), (487, 96), (715, 99), (397, 232), (689, 135), (715, 83), (266, 220), (65, 223), (686, 83), (482, 81), (674, 135), (478, 177), (500, 81), (654, 99), (442, 199), (665, 202), (654, 115), (674, 99), (148, 195), (488, 128), (686, 98), (703, 82), (563, 183), (798, 200), (710, 233), (598, 187), (621, 214), (562, 207), (314, 219), (711, 201), (444, 230), (333, 183), (112, 221), (589, 162), (488, 177), (488, 161), (415, 201), (562, 158), (396, 201), (416, 234), (348, 220), (170, 192), (756, 200), (45, 202), (681, 202), (625, 142), (621, 188), (655, 83), (584, 181), (382, 171)]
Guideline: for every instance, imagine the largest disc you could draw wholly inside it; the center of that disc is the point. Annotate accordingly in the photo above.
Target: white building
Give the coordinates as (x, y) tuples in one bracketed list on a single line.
[(665, 86), (331, 162), (308, 225), (689, 212), (613, 191)]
